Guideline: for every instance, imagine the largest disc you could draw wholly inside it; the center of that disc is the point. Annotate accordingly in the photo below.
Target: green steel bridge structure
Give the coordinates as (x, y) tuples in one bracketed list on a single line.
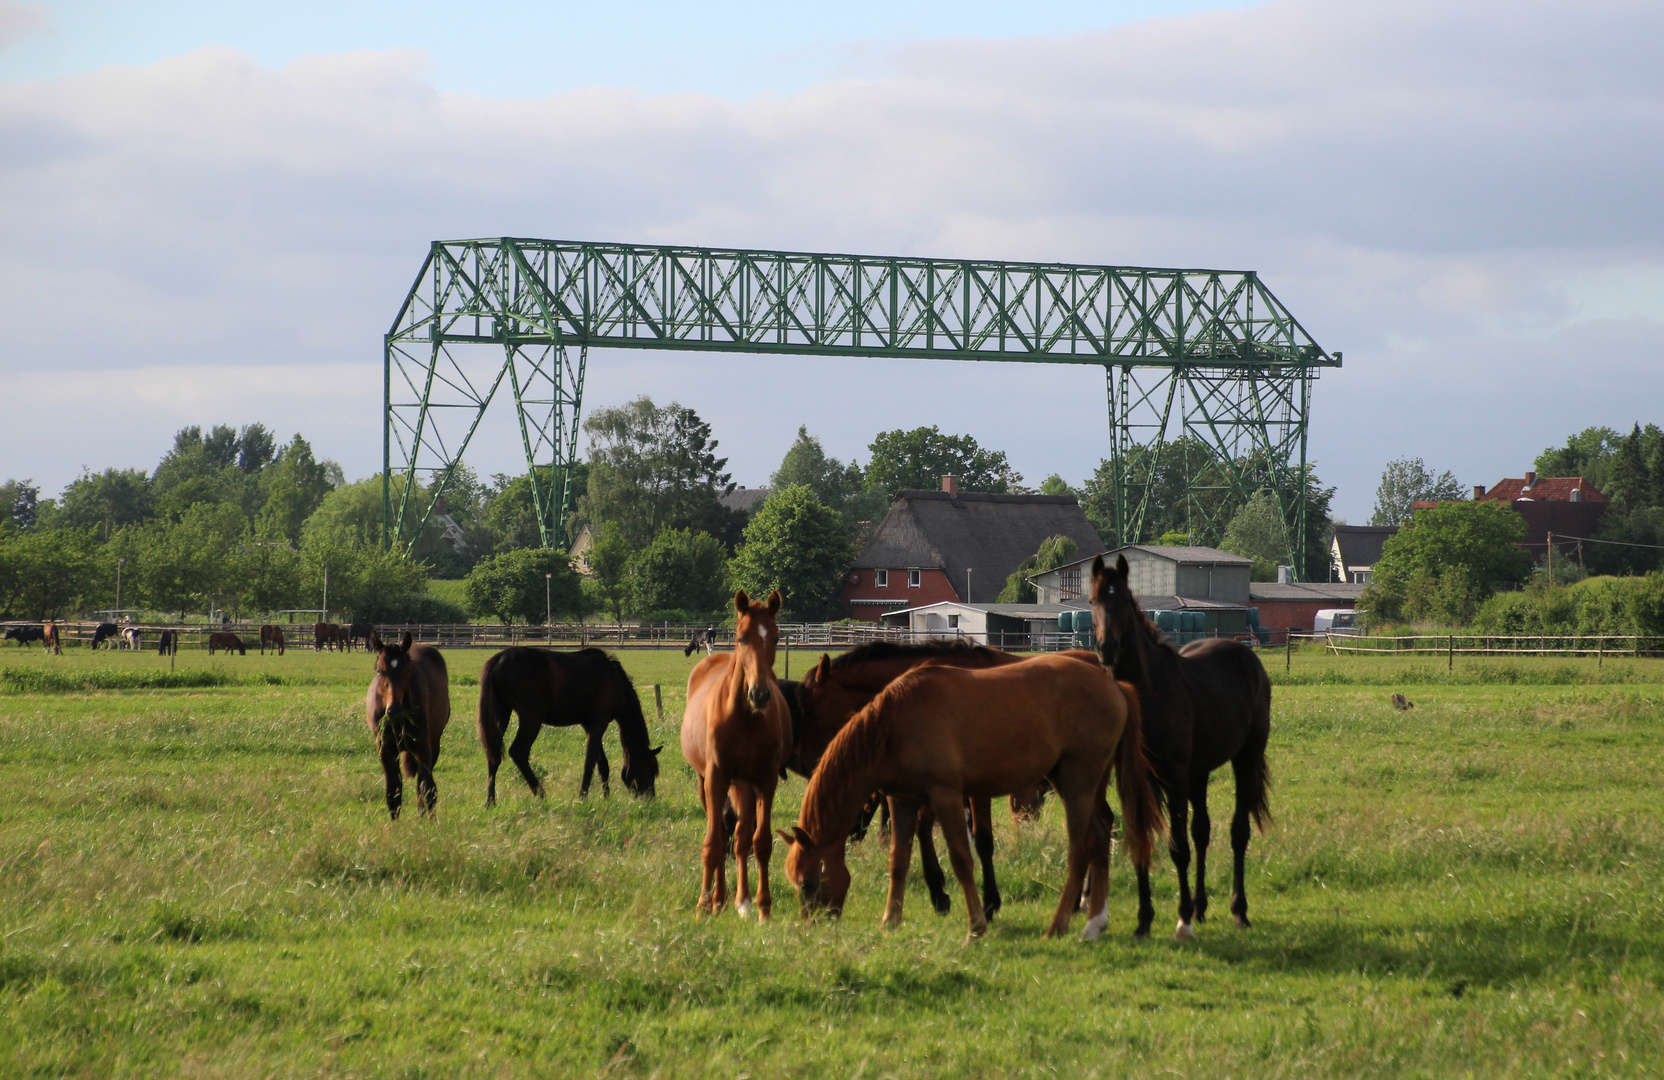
[(1208, 354)]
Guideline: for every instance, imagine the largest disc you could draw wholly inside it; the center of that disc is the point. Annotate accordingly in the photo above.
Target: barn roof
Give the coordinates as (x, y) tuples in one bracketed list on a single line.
[(1189, 555), (1360, 545), (989, 533), (1542, 489)]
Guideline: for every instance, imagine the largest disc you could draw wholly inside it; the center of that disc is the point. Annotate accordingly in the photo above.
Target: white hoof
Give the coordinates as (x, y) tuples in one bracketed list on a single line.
[(745, 909), (1095, 926), (1184, 932)]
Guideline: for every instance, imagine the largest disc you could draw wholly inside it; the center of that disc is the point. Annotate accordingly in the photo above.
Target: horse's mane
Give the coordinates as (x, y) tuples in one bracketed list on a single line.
[(843, 779), (891, 650)]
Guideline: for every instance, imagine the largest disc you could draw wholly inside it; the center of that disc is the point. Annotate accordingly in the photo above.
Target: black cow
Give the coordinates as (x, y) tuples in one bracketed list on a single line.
[(107, 631), (25, 634), (359, 631)]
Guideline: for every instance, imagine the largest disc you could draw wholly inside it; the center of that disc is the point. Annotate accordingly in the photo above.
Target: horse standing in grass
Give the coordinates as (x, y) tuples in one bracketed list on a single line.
[(169, 644), (132, 638), (737, 735), (359, 631), (273, 636), (939, 734), (1204, 705), (327, 635), (407, 707), (588, 688), (221, 639), (106, 632)]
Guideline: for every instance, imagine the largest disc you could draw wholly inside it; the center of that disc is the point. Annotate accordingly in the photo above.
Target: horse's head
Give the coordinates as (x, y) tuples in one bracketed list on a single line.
[(394, 668), (641, 772), (818, 873), (755, 636), (1113, 607)]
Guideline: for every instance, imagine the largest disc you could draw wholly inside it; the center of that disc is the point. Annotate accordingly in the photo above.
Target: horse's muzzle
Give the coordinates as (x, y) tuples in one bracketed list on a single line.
[(760, 696), (1108, 651)]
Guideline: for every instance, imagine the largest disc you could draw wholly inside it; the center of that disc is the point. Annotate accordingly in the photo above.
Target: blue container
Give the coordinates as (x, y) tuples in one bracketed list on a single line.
[(1253, 616), (1083, 622), (1263, 633), (1167, 621), (1065, 622)]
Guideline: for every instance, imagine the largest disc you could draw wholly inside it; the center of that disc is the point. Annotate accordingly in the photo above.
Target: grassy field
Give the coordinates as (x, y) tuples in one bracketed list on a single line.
[(197, 877)]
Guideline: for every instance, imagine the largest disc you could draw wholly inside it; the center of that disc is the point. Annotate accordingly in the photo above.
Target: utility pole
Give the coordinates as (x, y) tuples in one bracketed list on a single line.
[(326, 593), (548, 580), (967, 584), (1551, 558), (120, 562)]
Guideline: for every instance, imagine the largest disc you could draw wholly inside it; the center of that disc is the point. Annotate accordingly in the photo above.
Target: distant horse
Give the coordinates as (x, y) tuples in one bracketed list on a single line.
[(221, 639), (587, 688), (407, 707), (271, 635), (49, 638), (131, 638), (169, 643), (105, 632), (737, 735), (939, 734), (25, 634), (359, 631), (702, 639), (327, 635), (1205, 705)]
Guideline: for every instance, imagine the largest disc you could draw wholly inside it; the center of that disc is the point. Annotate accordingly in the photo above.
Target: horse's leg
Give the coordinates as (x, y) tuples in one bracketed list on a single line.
[(982, 829), (764, 845), (906, 818), (1146, 906), (714, 793), (744, 798), (1079, 806), (520, 751), (934, 879), (389, 751), (1178, 846), (595, 756), (1201, 831), (1249, 767), (427, 792), (949, 805), (1103, 822), (1099, 837), (491, 736)]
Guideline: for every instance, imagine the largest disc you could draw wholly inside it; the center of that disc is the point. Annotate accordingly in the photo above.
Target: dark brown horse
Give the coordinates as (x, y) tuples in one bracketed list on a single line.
[(227, 641), (588, 688), (273, 636), (1204, 706), (358, 631), (328, 635), (169, 644), (407, 707), (939, 734)]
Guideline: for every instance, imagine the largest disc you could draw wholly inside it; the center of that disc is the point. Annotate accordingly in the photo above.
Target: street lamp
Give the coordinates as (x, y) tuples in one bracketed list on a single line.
[(326, 592), (548, 580), (120, 562)]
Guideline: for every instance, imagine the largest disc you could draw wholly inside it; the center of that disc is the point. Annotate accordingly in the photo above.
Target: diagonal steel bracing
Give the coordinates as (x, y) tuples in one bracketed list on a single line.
[(1208, 353)]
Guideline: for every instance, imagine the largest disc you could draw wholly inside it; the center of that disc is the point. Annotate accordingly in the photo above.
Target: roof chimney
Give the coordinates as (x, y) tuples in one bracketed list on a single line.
[(1530, 478), (1479, 491), (950, 484), (439, 505)]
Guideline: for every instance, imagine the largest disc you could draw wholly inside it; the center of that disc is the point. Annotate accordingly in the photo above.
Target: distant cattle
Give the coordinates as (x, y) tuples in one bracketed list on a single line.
[(328, 635), (131, 638), (273, 636), (170, 643), (359, 631), (222, 639), (106, 631), (25, 634), (702, 639)]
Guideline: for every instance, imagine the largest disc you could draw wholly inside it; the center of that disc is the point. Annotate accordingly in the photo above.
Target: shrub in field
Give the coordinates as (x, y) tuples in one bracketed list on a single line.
[(32, 680), (512, 585), (1446, 562), (680, 570)]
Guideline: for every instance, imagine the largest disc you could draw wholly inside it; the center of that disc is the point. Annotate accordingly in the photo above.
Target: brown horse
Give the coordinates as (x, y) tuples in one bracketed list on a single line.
[(737, 735), (328, 635), (227, 641), (273, 636), (49, 638), (1205, 705), (939, 734), (169, 644), (407, 707), (588, 688)]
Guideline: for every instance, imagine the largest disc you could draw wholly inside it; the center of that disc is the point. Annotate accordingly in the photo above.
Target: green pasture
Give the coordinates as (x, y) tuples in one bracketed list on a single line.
[(197, 878)]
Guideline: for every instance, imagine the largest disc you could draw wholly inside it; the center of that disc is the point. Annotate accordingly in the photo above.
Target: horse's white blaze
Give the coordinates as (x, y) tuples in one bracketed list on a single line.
[(745, 909), (392, 663), (1184, 932), (1095, 925)]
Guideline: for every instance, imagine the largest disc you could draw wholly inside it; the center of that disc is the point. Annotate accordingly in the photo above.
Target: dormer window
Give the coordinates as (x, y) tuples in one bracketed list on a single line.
[(881, 578), (912, 579)]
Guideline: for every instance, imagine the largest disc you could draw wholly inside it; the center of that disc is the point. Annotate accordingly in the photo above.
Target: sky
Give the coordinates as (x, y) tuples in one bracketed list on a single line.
[(210, 213)]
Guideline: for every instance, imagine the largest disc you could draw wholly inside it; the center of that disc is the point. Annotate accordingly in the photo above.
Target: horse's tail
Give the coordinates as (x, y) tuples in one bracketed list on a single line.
[(1140, 808), (492, 719), (1254, 775)]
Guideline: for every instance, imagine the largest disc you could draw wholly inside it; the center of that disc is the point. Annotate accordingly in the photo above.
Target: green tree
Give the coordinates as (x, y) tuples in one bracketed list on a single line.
[(680, 570), (918, 459), (1446, 561), (47, 575), (511, 585), (185, 565), (797, 544), (1056, 485), (19, 503), (1629, 477), (1257, 532), (296, 484), (366, 580), (1054, 551), (652, 468), (610, 556), (104, 502), (806, 462), (510, 510), (1406, 481), (1587, 454)]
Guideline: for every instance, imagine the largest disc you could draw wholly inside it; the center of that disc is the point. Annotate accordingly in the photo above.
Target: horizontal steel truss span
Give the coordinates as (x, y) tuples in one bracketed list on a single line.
[(544, 303)]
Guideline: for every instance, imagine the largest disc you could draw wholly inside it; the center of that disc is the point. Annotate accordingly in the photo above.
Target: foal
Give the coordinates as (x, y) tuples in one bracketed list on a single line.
[(407, 707), (737, 735)]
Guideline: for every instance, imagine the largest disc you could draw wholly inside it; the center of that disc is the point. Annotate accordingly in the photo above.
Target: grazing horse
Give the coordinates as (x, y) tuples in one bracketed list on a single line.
[(702, 639), (359, 631), (49, 638), (939, 734), (273, 636), (407, 707), (327, 635), (737, 735), (169, 643), (131, 638), (106, 632), (221, 639), (25, 634), (589, 688), (1204, 705)]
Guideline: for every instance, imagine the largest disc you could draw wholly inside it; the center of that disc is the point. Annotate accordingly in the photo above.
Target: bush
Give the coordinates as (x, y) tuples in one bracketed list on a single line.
[(413, 608), (512, 585), (1600, 605)]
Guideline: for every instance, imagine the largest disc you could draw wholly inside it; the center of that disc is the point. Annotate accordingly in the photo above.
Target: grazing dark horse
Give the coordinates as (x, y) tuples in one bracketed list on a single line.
[(359, 631), (327, 635), (407, 707), (939, 734), (169, 643), (221, 639), (1204, 705), (702, 639), (273, 636), (588, 688), (25, 634), (737, 735), (106, 632)]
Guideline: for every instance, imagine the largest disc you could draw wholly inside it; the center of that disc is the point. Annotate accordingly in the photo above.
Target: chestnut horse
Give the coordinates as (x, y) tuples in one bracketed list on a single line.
[(588, 688), (737, 735), (407, 707), (221, 639), (328, 635), (273, 636), (938, 734), (1204, 705)]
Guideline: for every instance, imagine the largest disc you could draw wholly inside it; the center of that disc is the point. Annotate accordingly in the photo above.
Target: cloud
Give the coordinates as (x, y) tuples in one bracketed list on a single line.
[(18, 21), (1461, 197)]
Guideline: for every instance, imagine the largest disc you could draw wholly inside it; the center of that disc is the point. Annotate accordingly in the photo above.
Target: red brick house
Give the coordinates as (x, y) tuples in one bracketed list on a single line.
[(1562, 505), (922, 550)]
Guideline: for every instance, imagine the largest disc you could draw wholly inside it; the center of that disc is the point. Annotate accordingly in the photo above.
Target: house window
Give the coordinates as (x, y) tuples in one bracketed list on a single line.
[(912, 579), (881, 578), (1068, 583), (953, 622)]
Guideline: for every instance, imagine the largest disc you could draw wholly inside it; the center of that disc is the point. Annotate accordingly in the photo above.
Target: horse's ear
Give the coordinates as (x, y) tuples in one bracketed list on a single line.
[(741, 601), (802, 837), (1097, 566), (405, 642), (774, 602), (824, 668), (785, 837), (1121, 565), (376, 642), (655, 749)]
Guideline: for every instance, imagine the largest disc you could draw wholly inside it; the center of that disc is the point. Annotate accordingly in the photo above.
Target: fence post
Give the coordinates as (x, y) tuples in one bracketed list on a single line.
[(1288, 651), (1600, 652), (1451, 654), (658, 703)]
